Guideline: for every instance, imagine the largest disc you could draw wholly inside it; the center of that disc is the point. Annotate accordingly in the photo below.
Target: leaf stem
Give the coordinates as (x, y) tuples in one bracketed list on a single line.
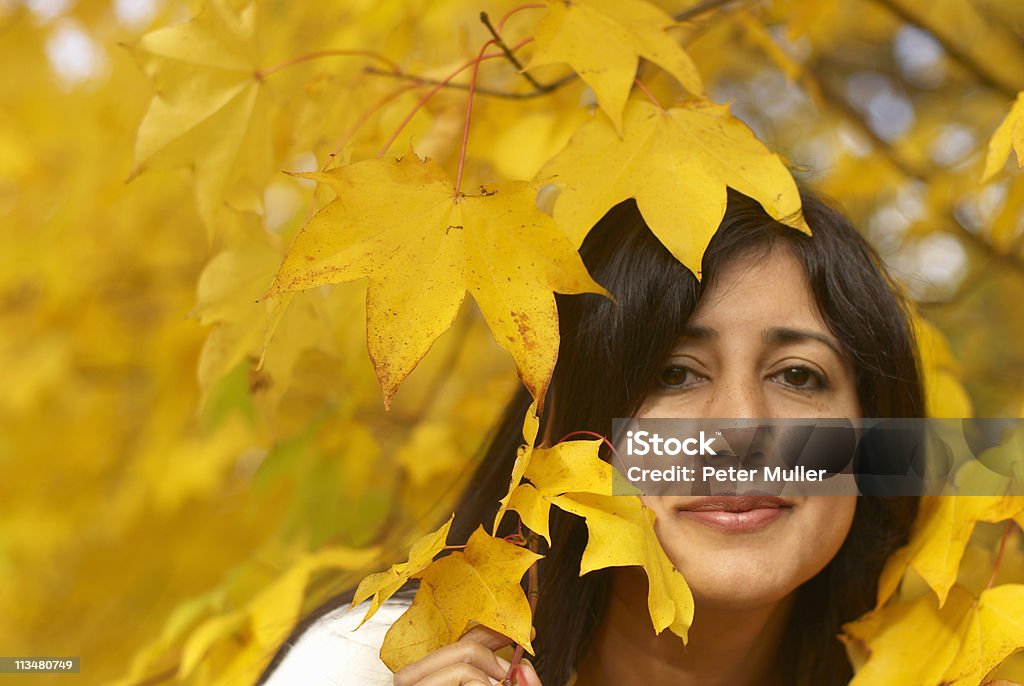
[(649, 94), (514, 10), (469, 114), (515, 671), (423, 101), (592, 434), (363, 118), (317, 54), (999, 554)]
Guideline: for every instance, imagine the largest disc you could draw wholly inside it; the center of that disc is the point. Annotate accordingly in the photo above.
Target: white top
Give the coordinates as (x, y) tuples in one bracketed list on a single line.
[(332, 653)]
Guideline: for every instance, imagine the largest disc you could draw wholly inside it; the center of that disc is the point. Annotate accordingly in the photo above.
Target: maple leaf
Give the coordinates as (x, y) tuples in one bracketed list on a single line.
[(603, 41), (917, 643), (1009, 134), (676, 163), (573, 478), (383, 585), (210, 109), (400, 223), (480, 584), (939, 538), (568, 467), (531, 424)]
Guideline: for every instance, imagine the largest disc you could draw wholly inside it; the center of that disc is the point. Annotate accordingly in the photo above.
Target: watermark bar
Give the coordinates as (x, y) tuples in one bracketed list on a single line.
[(39, 665), (875, 457)]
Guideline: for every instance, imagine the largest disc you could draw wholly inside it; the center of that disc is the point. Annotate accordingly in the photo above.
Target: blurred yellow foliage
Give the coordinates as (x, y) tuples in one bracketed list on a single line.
[(186, 469)]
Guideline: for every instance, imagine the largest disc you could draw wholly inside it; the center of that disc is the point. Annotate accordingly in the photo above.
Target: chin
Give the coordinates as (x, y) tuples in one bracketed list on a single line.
[(744, 561), (737, 586), (735, 594)]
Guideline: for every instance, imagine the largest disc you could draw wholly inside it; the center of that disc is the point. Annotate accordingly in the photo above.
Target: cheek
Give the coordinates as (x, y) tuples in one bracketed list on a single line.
[(829, 519)]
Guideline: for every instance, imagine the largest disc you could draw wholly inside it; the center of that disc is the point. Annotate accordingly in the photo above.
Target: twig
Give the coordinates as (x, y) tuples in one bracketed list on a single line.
[(699, 9), (480, 90), (540, 89), (508, 53)]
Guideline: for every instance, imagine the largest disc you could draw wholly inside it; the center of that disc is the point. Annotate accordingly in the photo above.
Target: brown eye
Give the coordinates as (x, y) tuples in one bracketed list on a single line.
[(800, 377), (674, 377), (796, 376)]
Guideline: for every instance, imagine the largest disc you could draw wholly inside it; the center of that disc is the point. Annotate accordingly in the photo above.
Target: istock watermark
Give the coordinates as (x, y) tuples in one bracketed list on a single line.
[(888, 457)]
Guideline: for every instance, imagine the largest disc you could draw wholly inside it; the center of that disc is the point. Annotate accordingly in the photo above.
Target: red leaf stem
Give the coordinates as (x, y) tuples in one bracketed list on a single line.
[(317, 54), (514, 10)]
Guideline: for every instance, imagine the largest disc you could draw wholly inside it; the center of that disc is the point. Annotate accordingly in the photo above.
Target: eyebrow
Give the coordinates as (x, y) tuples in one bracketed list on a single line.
[(698, 333), (778, 335), (774, 335)]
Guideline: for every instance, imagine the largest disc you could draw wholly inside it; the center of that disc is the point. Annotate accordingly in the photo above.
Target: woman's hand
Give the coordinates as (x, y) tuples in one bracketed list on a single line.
[(468, 662)]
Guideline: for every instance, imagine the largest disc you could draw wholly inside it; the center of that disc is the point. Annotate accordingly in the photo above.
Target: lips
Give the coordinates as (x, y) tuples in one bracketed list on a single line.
[(736, 513)]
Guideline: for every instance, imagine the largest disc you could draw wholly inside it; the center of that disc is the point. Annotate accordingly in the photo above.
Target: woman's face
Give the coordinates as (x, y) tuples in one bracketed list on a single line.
[(756, 347)]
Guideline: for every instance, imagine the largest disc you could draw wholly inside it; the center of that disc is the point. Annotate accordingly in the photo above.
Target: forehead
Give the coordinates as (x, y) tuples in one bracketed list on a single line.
[(758, 290)]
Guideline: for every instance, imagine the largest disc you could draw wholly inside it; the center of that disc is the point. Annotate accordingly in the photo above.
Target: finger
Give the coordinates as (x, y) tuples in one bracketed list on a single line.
[(487, 637), (467, 652), (529, 674), (460, 674)]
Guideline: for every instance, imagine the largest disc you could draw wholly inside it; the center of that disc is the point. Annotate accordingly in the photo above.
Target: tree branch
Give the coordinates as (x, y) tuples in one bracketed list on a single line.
[(539, 89), (954, 51), (480, 90), (910, 170)]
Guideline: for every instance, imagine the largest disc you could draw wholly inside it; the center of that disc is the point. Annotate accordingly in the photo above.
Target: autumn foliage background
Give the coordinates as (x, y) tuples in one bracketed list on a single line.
[(187, 466)]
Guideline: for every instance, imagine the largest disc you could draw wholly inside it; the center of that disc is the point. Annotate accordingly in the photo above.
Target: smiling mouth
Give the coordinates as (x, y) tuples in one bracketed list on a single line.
[(736, 513)]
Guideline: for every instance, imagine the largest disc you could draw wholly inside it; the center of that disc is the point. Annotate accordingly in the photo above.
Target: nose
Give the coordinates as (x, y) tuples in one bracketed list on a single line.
[(738, 395)]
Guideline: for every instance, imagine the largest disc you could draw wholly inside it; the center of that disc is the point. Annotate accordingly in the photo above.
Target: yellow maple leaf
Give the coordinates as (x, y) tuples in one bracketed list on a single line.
[(383, 585), (568, 467), (603, 41), (531, 424), (573, 478), (210, 109), (622, 535), (1009, 134), (400, 223), (939, 538), (676, 163), (917, 643), (480, 584)]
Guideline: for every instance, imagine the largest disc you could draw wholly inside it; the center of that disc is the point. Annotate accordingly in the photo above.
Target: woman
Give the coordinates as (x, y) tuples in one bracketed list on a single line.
[(781, 325)]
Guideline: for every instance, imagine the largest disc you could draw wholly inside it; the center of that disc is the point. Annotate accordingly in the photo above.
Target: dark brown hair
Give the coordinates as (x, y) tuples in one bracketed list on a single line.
[(610, 355), (609, 358)]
